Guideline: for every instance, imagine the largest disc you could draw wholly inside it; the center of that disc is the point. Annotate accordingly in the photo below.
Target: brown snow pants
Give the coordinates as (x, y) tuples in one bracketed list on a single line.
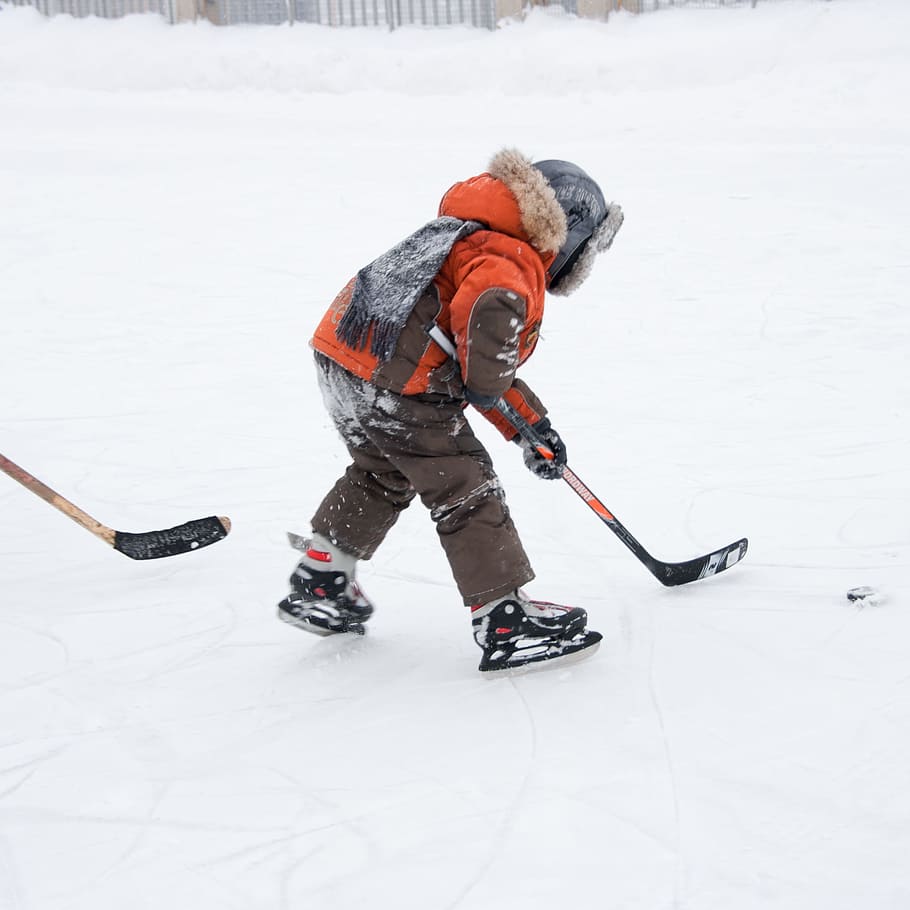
[(402, 446)]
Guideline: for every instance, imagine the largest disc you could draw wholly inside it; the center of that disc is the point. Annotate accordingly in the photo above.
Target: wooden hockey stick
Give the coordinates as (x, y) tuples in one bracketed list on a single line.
[(148, 545)]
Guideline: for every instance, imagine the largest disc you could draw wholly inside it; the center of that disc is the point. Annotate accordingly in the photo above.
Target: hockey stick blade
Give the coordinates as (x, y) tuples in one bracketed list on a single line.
[(201, 532), (681, 573)]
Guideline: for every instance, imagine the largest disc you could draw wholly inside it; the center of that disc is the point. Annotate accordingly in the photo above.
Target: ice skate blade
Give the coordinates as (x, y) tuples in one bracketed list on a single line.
[(551, 663), (321, 631)]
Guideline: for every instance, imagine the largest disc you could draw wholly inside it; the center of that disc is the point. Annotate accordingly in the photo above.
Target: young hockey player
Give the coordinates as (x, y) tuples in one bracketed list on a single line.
[(479, 272)]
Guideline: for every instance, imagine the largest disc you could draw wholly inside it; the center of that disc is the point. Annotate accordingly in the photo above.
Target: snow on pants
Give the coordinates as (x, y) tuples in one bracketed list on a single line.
[(402, 446)]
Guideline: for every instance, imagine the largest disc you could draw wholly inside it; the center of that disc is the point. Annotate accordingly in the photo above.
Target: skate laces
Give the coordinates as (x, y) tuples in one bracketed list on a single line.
[(533, 609), (543, 609)]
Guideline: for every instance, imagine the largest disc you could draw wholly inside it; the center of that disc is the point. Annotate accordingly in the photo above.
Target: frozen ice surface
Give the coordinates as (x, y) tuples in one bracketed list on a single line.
[(178, 206)]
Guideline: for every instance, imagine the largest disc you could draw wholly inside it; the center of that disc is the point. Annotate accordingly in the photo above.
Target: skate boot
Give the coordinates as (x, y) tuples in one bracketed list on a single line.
[(325, 598), (514, 631)]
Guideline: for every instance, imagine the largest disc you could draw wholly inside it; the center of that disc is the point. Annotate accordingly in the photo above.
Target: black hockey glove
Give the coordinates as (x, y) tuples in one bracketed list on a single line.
[(547, 468)]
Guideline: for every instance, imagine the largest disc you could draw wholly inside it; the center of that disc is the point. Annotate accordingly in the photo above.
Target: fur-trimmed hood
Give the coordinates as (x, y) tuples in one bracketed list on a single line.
[(513, 198)]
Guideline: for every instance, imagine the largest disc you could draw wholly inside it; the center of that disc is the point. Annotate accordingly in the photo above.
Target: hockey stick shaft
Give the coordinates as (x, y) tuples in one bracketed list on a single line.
[(147, 545), (584, 493), (30, 482)]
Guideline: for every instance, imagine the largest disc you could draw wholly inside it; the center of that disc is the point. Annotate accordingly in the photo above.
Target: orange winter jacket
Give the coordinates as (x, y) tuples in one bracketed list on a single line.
[(488, 296)]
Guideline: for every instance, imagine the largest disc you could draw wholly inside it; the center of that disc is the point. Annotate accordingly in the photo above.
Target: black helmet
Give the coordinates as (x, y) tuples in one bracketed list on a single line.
[(585, 208)]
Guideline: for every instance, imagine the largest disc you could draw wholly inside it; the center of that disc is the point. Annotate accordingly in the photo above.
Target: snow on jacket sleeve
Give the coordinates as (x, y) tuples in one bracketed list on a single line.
[(487, 313)]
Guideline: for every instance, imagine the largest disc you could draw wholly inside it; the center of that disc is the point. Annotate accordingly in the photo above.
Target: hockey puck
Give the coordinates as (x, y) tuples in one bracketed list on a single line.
[(864, 595)]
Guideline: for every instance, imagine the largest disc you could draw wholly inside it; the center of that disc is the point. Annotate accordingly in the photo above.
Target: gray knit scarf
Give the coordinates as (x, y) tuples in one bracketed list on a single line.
[(386, 290)]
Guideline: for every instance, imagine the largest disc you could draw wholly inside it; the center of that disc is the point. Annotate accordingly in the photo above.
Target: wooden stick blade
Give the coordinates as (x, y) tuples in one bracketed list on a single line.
[(201, 532)]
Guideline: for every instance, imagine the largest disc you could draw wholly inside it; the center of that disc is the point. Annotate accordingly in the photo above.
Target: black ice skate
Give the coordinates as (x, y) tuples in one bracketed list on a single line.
[(515, 631), (325, 600)]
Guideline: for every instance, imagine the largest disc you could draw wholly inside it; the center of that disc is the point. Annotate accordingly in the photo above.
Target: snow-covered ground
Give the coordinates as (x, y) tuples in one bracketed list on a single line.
[(177, 207)]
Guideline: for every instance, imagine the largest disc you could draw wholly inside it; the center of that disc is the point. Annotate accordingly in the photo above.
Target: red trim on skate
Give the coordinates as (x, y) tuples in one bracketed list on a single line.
[(319, 555)]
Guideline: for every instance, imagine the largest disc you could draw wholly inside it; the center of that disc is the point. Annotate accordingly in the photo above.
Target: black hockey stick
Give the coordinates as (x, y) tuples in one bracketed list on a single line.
[(148, 545), (667, 573)]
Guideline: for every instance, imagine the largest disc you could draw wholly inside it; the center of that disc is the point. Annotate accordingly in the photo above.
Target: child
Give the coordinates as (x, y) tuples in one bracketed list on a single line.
[(479, 272)]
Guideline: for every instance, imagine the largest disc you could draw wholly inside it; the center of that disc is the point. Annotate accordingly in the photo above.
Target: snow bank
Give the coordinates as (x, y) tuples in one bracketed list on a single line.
[(550, 53)]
